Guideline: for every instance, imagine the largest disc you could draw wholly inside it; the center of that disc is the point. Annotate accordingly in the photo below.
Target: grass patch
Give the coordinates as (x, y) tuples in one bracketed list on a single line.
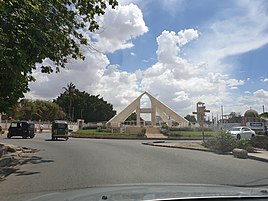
[(192, 133), (95, 132)]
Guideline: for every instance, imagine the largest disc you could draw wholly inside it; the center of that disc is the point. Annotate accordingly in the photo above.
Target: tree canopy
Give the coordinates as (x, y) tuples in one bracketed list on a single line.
[(264, 115), (37, 110), (31, 31), (81, 105), (191, 118)]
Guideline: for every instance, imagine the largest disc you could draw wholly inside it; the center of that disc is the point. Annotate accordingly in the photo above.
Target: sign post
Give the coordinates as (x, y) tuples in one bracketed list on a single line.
[(200, 112)]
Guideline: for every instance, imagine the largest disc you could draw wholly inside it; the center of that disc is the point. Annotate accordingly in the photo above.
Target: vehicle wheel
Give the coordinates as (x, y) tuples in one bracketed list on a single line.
[(238, 137), (9, 136), (66, 138), (24, 136), (252, 136), (31, 136)]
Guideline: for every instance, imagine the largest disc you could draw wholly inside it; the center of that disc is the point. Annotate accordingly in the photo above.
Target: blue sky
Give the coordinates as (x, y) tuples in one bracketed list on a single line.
[(181, 51)]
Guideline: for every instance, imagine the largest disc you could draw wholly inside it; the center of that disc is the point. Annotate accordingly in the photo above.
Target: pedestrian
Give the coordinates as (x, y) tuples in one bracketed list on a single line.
[(41, 128), (265, 131)]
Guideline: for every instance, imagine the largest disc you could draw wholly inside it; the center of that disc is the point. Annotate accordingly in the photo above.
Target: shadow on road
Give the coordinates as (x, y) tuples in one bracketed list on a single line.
[(14, 165), (36, 160), (25, 173)]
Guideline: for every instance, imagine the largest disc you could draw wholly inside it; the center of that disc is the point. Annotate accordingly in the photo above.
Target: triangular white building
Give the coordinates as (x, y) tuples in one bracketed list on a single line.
[(156, 108)]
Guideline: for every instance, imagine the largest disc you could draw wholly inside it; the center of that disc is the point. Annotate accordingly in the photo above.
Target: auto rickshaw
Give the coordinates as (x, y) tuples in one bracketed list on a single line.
[(59, 130), (21, 128)]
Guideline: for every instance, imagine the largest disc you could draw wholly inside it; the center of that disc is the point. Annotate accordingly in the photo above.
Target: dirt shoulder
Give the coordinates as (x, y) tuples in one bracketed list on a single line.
[(11, 157)]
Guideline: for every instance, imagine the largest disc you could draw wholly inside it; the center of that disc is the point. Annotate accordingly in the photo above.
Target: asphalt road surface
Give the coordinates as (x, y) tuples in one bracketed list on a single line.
[(80, 163)]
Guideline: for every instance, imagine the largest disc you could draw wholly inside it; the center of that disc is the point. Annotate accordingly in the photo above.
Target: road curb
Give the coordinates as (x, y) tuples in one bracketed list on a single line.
[(258, 158), (175, 147), (131, 138), (197, 149)]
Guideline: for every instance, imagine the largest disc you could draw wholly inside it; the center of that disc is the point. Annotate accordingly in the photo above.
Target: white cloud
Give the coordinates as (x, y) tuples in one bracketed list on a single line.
[(118, 27), (234, 82), (84, 74), (181, 96), (264, 80), (232, 34), (169, 44), (262, 94), (185, 36), (118, 87)]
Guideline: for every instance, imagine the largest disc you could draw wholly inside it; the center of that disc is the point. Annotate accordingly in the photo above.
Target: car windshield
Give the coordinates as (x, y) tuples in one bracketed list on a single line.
[(60, 125), (109, 93), (235, 129), (13, 125)]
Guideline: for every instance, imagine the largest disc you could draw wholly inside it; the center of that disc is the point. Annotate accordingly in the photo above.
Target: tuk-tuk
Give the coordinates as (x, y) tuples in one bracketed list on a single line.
[(59, 130), (21, 128)]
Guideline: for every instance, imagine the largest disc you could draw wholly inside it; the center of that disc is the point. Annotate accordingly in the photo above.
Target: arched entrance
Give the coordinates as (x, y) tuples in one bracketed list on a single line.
[(155, 107)]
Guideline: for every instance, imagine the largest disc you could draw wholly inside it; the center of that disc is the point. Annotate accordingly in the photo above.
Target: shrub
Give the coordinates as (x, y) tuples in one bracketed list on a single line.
[(222, 143), (164, 129), (181, 129), (89, 127), (99, 129), (188, 129), (200, 129), (260, 141), (142, 133), (245, 144)]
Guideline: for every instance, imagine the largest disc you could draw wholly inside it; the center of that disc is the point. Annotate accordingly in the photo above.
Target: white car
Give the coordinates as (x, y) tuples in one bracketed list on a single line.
[(242, 132)]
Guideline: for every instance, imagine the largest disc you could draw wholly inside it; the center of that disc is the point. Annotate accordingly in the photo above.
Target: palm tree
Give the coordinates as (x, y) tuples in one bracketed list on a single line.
[(70, 90)]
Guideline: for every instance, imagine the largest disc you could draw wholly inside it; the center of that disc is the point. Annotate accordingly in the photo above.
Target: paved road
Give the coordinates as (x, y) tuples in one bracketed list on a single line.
[(80, 163)]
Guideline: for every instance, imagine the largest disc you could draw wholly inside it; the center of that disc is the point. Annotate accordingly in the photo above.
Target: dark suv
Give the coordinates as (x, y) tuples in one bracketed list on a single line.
[(21, 128)]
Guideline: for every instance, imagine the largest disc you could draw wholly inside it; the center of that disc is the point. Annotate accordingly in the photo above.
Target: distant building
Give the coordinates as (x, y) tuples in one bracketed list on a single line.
[(252, 116), (254, 121)]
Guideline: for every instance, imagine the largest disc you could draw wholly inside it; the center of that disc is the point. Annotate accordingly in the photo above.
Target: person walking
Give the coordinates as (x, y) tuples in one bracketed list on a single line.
[(265, 131), (41, 128)]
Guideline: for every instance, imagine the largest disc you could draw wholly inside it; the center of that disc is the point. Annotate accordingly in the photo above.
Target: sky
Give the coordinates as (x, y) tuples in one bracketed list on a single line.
[(179, 51)]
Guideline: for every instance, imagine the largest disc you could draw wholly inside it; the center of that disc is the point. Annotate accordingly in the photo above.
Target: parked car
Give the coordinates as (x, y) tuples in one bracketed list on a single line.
[(242, 132), (21, 128)]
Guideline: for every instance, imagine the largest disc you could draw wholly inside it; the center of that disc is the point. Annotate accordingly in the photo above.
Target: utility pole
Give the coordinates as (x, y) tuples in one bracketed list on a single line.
[(200, 112)]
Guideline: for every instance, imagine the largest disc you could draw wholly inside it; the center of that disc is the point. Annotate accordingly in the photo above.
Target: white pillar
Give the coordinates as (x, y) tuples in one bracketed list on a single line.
[(153, 115), (138, 112)]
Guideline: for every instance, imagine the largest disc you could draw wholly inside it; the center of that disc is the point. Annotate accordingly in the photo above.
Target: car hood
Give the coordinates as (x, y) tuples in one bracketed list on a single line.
[(154, 192)]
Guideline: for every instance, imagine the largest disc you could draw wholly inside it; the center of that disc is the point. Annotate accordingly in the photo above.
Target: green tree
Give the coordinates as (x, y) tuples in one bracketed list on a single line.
[(70, 91), (133, 117), (85, 106), (190, 118), (37, 110), (31, 31), (264, 115)]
